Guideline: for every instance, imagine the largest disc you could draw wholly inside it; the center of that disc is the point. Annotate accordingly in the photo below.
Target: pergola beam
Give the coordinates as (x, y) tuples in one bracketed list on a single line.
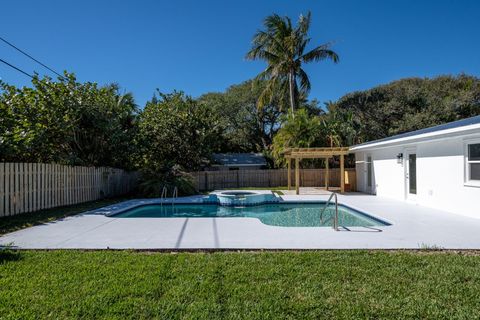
[(334, 149), (311, 153), (314, 156)]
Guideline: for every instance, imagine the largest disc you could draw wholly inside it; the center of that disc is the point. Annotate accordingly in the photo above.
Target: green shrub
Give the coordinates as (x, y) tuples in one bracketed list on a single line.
[(153, 183)]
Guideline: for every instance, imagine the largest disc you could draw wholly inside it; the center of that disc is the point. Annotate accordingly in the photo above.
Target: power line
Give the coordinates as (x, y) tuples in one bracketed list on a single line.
[(24, 72), (18, 69), (26, 54)]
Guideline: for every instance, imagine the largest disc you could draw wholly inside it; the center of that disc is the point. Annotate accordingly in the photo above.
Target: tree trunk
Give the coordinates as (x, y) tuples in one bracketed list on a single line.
[(291, 80)]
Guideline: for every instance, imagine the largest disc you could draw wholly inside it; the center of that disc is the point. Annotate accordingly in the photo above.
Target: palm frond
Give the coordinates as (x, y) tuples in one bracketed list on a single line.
[(266, 96), (304, 23), (276, 24), (302, 44), (321, 52), (304, 82), (264, 41)]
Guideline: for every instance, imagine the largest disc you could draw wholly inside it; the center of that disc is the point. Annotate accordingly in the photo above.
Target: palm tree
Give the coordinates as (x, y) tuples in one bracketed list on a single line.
[(282, 46), (331, 128)]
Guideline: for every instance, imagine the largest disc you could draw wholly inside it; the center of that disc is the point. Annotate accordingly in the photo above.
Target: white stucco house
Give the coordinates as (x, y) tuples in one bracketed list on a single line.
[(437, 167)]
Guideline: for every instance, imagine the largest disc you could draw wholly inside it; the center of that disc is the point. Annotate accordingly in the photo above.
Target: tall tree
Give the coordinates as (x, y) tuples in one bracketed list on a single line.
[(246, 128), (283, 46), (175, 130), (406, 105)]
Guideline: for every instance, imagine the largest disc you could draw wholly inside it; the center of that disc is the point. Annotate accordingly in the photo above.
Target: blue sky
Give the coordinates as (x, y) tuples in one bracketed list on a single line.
[(199, 46)]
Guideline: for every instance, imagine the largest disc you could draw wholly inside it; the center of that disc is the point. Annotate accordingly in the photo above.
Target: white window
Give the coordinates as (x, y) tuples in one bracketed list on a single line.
[(472, 161)]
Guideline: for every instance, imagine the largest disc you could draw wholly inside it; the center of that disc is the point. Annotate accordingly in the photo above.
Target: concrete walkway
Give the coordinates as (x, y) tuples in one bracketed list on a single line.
[(412, 227)]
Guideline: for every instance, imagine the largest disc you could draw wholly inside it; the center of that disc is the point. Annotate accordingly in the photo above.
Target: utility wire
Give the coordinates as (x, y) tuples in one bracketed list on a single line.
[(24, 72), (18, 69), (26, 54)]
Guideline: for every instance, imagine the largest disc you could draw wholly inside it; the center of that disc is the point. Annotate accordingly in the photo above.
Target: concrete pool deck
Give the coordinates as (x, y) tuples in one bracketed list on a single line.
[(413, 227)]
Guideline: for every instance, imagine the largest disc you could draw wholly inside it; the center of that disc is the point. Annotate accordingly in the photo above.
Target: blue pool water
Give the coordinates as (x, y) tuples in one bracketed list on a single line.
[(285, 215)]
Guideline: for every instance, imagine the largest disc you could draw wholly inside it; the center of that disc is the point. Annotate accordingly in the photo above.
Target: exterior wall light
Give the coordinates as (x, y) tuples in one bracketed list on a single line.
[(400, 158)]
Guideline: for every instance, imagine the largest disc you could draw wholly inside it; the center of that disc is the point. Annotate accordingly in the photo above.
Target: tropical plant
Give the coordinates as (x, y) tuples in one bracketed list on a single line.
[(67, 122), (283, 46), (300, 131)]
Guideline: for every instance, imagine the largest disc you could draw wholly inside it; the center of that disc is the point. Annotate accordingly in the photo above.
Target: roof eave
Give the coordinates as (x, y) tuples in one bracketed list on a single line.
[(436, 135)]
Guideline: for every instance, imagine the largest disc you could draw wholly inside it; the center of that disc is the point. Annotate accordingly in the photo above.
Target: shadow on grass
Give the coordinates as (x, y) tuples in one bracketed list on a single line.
[(7, 254)]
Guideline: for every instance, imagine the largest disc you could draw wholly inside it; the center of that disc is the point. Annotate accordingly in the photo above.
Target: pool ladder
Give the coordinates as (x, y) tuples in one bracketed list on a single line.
[(335, 217), (164, 194)]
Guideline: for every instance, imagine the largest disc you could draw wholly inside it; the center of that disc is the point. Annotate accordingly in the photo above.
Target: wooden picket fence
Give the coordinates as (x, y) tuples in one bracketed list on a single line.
[(211, 180), (28, 187)]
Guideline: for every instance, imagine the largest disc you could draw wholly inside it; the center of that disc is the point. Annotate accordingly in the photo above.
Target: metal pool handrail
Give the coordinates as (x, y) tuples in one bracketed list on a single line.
[(163, 195), (164, 192), (175, 193), (335, 218)]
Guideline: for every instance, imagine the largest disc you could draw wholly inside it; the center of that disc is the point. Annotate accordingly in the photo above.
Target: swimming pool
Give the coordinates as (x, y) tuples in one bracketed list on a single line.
[(279, 214)]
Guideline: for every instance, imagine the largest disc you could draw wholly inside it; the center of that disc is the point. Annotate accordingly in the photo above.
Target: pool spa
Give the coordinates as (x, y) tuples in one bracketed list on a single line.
[(273, 214), (241, 198)]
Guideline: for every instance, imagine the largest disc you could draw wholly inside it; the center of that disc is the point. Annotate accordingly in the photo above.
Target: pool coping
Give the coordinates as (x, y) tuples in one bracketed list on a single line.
[(199, 201)]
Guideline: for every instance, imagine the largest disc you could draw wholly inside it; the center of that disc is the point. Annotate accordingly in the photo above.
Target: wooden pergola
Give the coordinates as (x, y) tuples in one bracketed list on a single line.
[(315, 153)]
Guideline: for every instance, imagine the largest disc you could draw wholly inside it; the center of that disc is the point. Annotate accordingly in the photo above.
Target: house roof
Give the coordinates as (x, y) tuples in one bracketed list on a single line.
[(239, 159), (459, 126)]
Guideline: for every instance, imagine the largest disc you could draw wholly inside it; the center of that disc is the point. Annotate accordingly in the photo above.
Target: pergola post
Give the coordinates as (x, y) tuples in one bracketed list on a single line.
[(289, 173), (326, 174), (297, 176), (342, 174)]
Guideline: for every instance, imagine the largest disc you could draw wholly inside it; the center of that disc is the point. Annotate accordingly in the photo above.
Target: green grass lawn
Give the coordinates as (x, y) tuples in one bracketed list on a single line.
[(246, 285), (25, 220)]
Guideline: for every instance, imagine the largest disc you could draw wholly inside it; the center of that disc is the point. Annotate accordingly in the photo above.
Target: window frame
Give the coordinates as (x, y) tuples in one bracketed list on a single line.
[(468, 181)]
